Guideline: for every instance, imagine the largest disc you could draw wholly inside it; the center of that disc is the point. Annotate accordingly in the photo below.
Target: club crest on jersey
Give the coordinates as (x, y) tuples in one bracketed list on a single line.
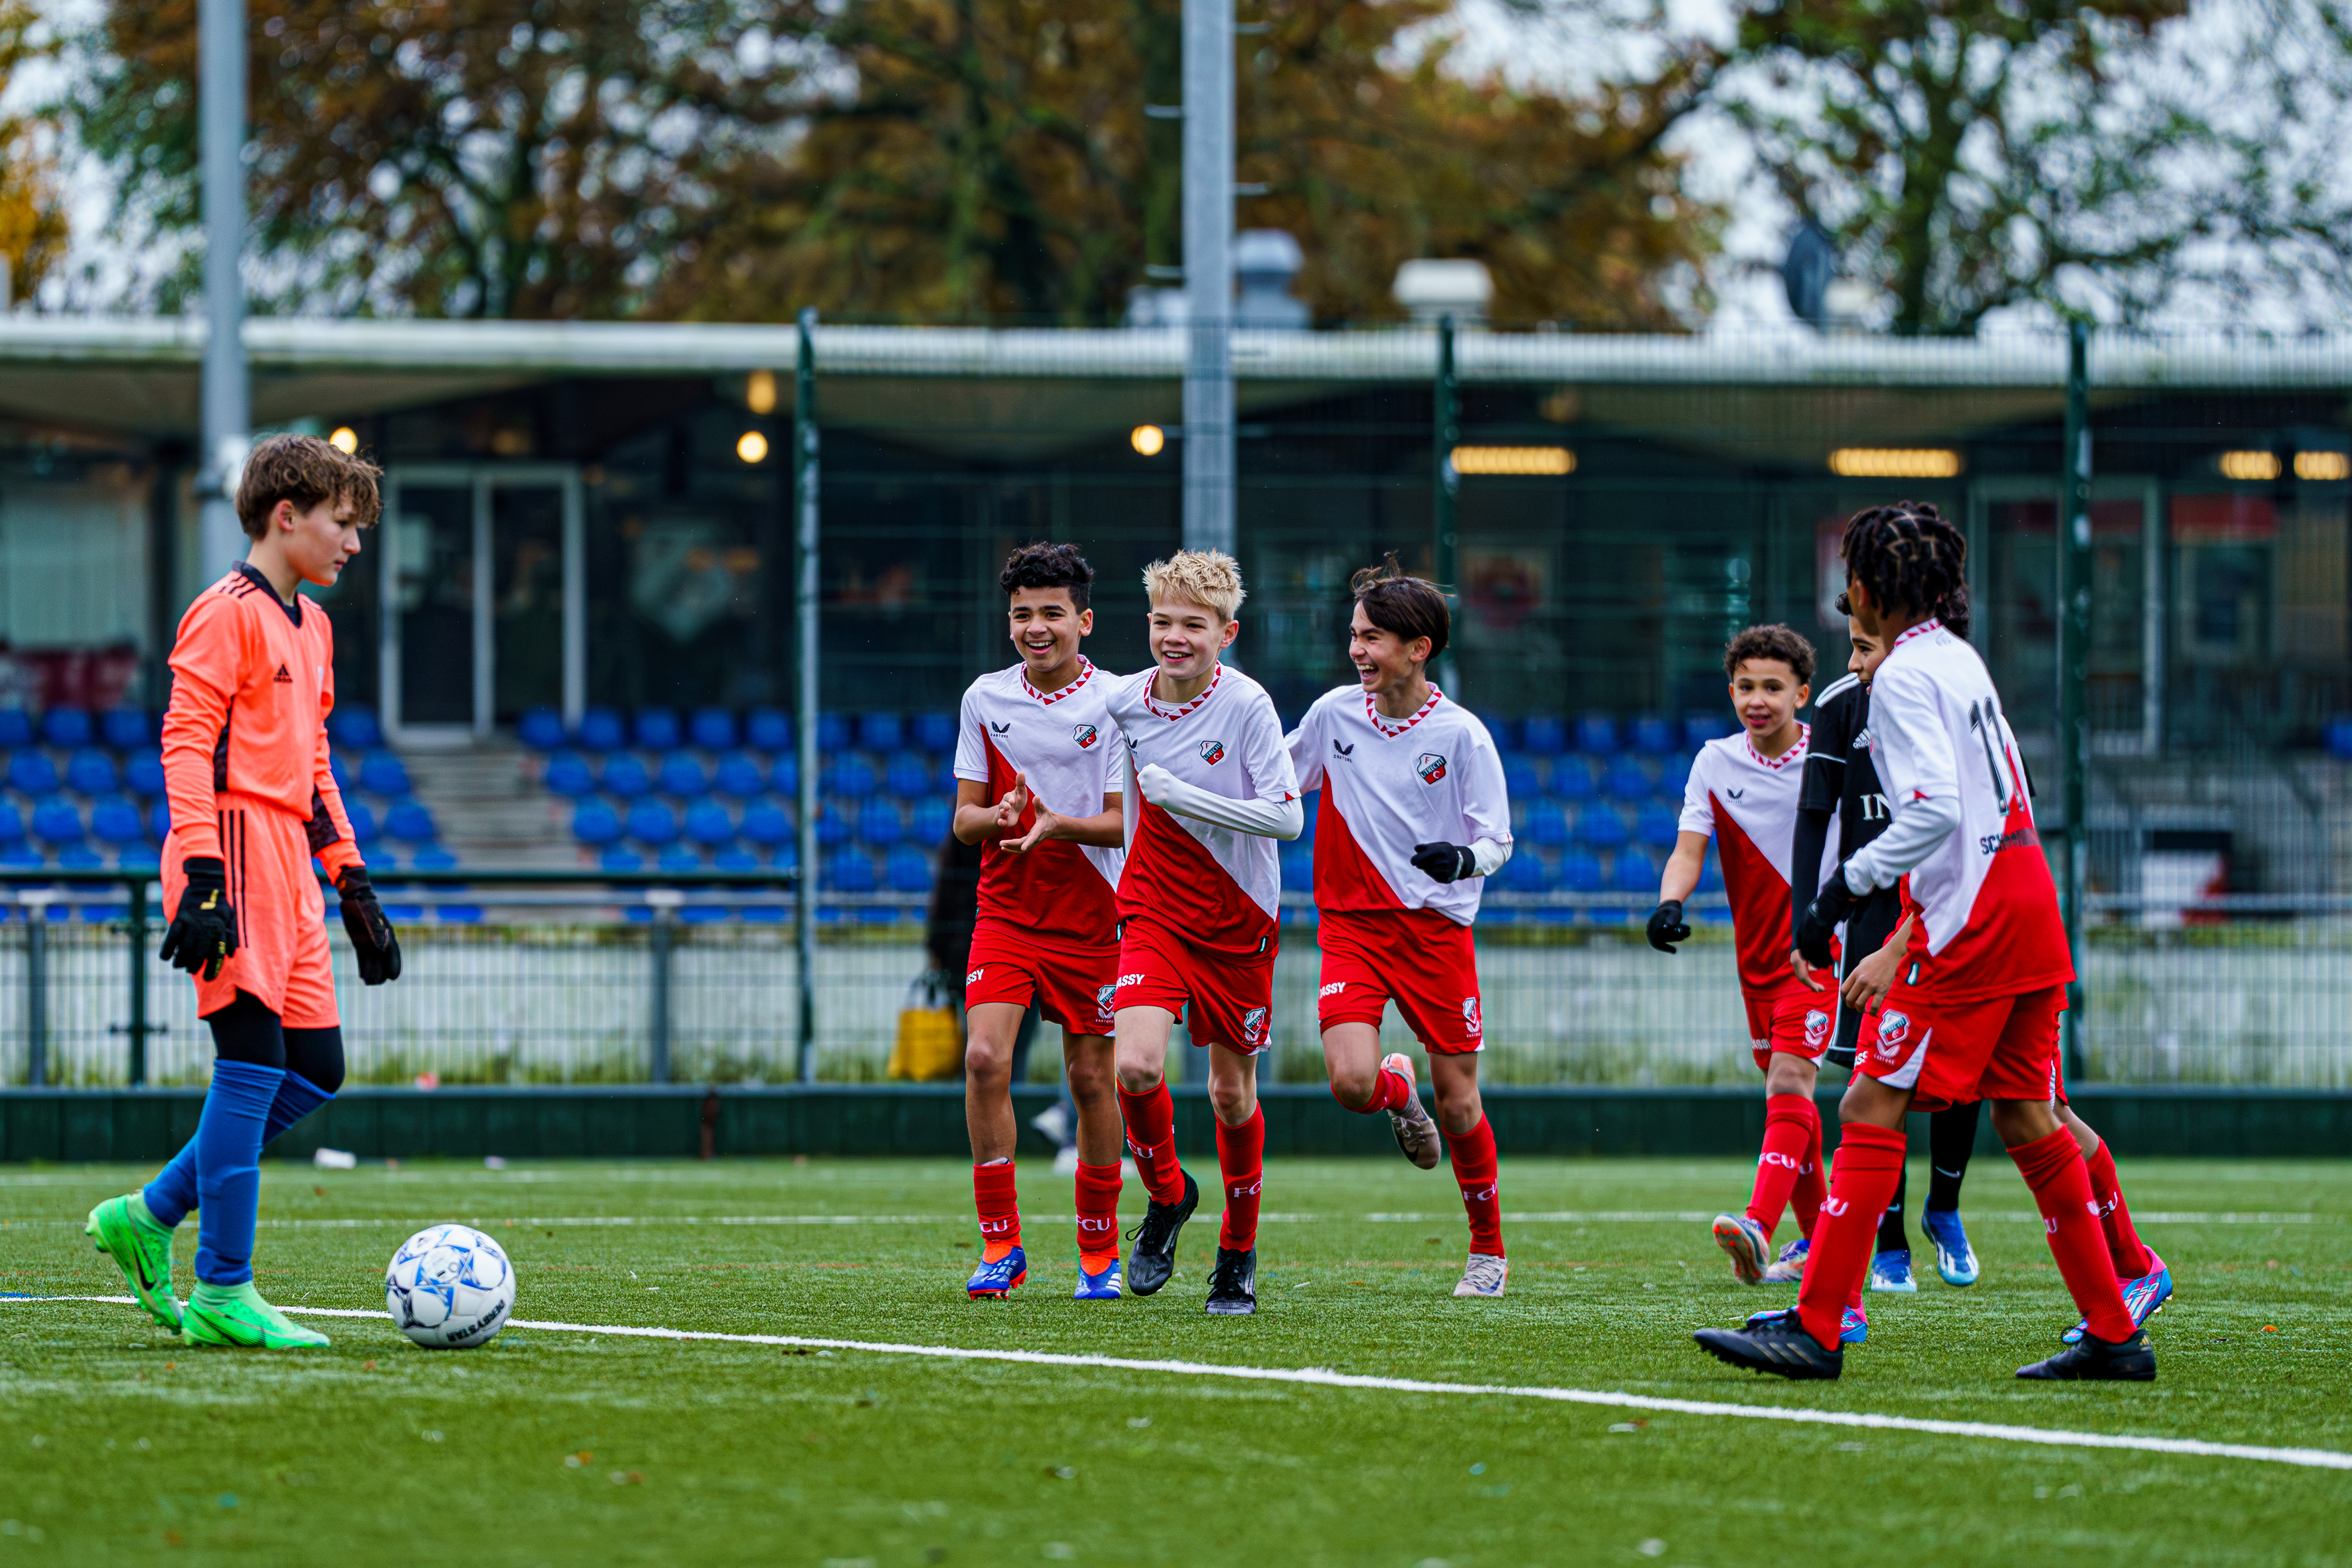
[(1253, 1025), (1103, 995), (1084, 734), (1893, 1029), (1212, 752), (1817, 1026), (1471, 1023), (1430, 767)]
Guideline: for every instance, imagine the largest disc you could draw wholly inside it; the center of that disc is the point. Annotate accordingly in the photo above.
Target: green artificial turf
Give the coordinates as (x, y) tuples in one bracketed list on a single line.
[(119, 1443)]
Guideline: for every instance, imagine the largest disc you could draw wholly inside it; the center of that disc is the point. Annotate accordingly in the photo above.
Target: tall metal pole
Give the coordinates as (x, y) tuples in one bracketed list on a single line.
[(804, 610), (1446, 434), (2074, 666), (1209, 274), (227, 413)]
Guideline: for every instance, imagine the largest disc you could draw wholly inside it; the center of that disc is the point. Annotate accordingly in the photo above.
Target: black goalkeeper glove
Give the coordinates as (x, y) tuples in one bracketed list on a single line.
[(203, 933), (370, 933), (1823, 916), (1445, 862), (1666, 927)]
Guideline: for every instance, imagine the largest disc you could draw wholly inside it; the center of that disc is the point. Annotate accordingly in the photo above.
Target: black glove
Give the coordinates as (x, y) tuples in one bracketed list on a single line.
[(1823, 917), (1667, 926), (370, 933), (203, 933), (1445, 862)]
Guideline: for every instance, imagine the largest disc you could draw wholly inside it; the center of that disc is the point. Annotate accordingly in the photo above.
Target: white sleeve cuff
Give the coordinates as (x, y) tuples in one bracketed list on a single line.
[(1488, 856)]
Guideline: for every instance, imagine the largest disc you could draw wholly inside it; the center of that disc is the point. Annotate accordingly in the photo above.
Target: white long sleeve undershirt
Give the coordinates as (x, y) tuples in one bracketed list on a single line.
[(1488, 855), (1264, 818), (1918, 828)]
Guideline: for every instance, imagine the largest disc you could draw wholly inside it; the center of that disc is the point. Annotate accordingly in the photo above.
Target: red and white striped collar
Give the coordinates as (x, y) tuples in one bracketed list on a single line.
[(1173, 714), (1393, 728), (1804, 740), (1932, 624), (1086, 673)]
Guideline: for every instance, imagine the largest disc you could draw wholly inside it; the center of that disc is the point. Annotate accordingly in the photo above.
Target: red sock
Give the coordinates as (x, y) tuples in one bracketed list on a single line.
[(2130, 1254), (1241, 1155), (1392, 1090), (1812, 1185), (1097, 1210), (1474, 1168), (1861, 1184), (2053, 1168), (1000, 1209), (1791, 1128), (1150, 1119)]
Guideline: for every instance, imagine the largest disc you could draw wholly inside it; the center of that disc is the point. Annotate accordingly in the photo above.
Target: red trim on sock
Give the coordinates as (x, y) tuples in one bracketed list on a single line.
[(994, 1196), (1241, 1156), (2130, 1253), (1150, 1119), (2052, 1166), (1861, 1184), (1791, 1130), (1475, 1170), (1098, 1199)]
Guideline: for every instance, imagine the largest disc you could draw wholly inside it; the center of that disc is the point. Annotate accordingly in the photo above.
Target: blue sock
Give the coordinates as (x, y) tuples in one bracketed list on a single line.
[(173, 1193), (228, 1169)]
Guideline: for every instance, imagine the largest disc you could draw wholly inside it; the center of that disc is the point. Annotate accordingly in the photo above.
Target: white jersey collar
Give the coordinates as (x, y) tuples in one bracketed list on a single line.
[(1932, 624), (1086, 673), (1151, 679), (1804, 741), (1393, 728)]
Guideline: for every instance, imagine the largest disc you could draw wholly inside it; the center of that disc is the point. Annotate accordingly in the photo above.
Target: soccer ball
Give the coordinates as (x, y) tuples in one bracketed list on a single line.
[(449, 1287)]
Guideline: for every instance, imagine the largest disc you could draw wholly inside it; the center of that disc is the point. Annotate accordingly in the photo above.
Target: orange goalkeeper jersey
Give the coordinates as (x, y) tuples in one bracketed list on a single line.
[(253, 680)]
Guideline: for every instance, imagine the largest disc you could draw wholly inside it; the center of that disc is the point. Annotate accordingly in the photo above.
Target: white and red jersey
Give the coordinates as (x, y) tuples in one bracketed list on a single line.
[(1071, 755), (1388, 785), (1215, 887), (1747, 802), (1988, 909)]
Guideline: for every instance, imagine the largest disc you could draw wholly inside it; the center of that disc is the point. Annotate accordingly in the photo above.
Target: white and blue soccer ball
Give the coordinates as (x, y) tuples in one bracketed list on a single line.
[(449, 1287)]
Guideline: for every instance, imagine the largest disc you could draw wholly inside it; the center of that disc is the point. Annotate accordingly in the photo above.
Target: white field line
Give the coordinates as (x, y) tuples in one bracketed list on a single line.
[(2058, 1438), (1534, 1217)]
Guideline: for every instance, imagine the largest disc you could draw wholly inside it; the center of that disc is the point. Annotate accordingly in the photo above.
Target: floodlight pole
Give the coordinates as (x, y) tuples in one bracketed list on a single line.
[(1208, 467), (228, 398), (1444, 563), (2074, 668), (804, 609)]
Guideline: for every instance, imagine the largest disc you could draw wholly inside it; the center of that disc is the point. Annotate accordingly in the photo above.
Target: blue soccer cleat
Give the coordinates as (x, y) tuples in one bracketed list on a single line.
[(1744, 1242), (994, 1281), (1854, 1327), (1788, 1269), (1107, 1286), (2145, 1296), (1956, 1260), (1891, 1270)]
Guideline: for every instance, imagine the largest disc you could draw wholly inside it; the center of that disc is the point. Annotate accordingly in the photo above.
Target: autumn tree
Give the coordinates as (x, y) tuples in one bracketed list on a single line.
[(32, 218)]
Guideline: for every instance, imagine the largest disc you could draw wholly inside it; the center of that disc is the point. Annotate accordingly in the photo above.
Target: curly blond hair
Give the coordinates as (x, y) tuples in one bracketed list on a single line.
[(1208, 578)]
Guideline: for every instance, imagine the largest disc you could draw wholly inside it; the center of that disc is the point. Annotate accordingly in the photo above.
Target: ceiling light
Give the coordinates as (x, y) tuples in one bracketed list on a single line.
[(751, 447), (1895, 463), (2251, 466), (345, 439), (1520, 462), (2324, 467), (759, 392), (1148, 439)]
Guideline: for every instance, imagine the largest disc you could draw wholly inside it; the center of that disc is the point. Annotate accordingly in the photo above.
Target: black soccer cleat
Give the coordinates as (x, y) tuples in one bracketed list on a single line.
[(2092, 1360), (1233, 1283), (1152, 1262), (1778, 1343)]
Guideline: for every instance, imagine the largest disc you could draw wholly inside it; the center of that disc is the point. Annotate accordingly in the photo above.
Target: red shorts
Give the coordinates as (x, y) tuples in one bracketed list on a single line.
[(1417, 958), (281, 959), (1224, 1000), (2001, 1047), (1071, 985), (1796, 1020)]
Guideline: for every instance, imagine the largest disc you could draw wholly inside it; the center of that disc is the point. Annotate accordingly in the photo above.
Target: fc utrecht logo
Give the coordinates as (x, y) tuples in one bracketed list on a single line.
[(1817, 1026), (1084, 734), (1212, 752), (1430, 767), (1892, 1029), (1253, 1025), (1103, 997), (1471, 1024)]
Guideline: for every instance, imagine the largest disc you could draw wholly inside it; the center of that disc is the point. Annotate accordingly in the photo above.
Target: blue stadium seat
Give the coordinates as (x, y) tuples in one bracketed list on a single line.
[(881, 732), (833, 820), (408, 822), (159, 820), (1654, 734), (1598, 826), (707, 823), (2336, 736), (1546, 824), (935, 733), (127, 729), (1624, 779), (335, 769), (620, 860), (948, 780), (1634, 872), (652, 823), (32, 773), (768, 730), (91, 771), (1674, 777), (1544, 735), (909, 775), (907, 870), (879, 823), (1699, 727), (12, 823), (1518, 775), (433, 857), (735, 857), (383, 773), (678, 857), (766, 824), (66, 727), (1298, 866), (1596, 734), (81, 857), (541, 729), (1504, 732), (738, 775), (712, 729), (143, 774), (1526, 873), (56, 822), (601, 729), (15, 728), (832, 733), (682, 776), (365, 831), (20, 856), (569, 775), (933, 818), (626, 776), (139, 856), (1580, 871), (786, 778), (1659, 825), (354, 726), (657, 729), (1572, 779), (850, 776), (847, 871)]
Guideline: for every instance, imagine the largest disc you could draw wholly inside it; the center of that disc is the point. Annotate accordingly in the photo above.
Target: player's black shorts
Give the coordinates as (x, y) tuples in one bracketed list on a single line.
[(1866, 930)]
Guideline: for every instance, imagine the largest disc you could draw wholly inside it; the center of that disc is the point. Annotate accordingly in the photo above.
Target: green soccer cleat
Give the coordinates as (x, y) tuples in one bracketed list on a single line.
[(123, 1230), (236, 1317)]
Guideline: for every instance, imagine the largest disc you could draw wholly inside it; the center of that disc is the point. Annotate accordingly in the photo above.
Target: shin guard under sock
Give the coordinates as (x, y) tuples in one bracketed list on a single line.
[(1812, 1179), (1869, 1164), (1951, 1139), (228, 1169), (1097, 1196), (1241, 1156), (1475, 1170), (1791, 1126), (2052, 1166), (173, 1193), (1150, 1119), (1391, 1091), (999, 1204), (2124, 1245)]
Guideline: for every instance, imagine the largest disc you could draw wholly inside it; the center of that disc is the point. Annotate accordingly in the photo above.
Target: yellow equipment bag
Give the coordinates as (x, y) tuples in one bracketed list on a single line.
[(929, 1046)]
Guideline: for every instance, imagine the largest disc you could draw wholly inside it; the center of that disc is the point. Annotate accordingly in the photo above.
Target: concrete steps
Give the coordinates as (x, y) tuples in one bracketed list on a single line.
[(487, 800)]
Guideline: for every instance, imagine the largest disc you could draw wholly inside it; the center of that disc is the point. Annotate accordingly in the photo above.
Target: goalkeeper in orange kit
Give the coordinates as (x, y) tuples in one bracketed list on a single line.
[(252, 801)]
